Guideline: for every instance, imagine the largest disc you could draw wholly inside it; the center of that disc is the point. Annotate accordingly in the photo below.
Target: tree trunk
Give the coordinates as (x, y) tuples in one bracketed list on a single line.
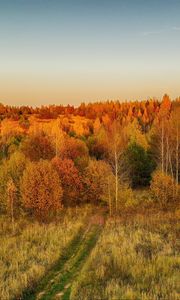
[(116, 180), (162, 147), (110, 202), (177, 156), (167, 154), (12, 211)]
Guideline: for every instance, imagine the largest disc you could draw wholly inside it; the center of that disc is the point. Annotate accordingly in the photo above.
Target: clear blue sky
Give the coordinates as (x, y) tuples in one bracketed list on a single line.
[(69, 51)]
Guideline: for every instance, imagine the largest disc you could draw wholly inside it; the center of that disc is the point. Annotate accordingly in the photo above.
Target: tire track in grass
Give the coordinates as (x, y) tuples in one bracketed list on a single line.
[(57, 283)]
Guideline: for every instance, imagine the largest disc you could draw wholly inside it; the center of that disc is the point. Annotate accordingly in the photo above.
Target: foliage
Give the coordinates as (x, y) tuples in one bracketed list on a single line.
[(139, 164), (11, 169), (75, 150), (41, 189), (95, 180), (37, 147), (125, 197), (164, 189), (70, 178)]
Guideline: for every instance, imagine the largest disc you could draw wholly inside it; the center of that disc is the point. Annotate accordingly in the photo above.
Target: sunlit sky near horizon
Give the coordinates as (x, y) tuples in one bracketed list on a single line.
[(73, 51)]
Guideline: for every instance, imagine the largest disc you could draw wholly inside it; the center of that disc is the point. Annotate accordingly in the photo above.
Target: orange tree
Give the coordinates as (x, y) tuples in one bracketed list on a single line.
[(41, 189), (163, 188), (70, 180)]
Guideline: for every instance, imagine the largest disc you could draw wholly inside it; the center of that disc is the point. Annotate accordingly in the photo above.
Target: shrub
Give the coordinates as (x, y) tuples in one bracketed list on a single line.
[(163, 188)]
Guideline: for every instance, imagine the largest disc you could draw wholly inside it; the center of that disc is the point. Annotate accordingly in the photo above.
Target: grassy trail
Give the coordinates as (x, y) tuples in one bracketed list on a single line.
[(57, 283)]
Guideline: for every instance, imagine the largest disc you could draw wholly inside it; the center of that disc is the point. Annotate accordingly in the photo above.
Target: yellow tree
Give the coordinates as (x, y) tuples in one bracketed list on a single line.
[(117, 141), (98, 183), (11, 194)]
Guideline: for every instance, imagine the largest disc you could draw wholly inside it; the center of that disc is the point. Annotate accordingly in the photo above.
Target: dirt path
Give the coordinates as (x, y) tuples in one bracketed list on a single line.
[(57, 283)]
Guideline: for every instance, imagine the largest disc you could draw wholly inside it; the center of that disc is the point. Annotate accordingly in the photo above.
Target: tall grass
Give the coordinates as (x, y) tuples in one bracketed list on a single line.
[(134, 259), (26, 255)]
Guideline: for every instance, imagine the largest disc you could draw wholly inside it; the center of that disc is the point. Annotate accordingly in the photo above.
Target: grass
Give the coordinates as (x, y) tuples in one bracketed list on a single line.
[(135, 258), (57, 282), (61, 280), (28, 253)]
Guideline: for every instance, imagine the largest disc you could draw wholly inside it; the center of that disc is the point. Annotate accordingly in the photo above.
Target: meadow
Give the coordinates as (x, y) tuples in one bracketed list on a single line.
[(29, 251), (136, 257)]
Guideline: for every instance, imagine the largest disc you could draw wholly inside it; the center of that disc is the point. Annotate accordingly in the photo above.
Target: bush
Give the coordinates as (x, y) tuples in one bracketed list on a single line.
[(126, 197), (164, 189)]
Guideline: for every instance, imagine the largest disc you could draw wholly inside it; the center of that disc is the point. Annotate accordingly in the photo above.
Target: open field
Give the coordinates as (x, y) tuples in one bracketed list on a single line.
[(134, 259), (32, 249), (135, 256)]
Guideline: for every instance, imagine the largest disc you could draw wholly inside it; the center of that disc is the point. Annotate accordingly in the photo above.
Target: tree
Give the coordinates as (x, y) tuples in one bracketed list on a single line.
[(37, 146), (12, 170), (135, 135), (11, 193), (116, 141), (98, 179), (163, 188), (140, 165), (41, 189), (165, 139), (174, 159), (75, 150), (70, 179), (162, 124), (97, 126), (97, 146)]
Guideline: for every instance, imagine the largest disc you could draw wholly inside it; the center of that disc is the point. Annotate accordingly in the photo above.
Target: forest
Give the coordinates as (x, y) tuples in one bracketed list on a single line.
[(89, 201)]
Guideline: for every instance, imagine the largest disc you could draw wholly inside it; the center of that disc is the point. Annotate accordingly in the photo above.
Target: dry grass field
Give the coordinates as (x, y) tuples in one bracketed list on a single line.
[(135, 258), (27, 253)]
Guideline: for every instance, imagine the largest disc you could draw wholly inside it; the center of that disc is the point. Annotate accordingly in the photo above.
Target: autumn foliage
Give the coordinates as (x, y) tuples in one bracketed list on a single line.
[(71, 180), (41, 189), (164, 189), (97, 153)]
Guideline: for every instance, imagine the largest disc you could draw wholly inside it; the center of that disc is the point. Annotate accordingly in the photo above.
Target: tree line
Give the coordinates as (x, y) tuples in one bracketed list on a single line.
[(128, 146)]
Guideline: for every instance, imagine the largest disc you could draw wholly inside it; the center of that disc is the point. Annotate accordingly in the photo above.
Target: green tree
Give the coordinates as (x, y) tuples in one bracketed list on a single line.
[(140, 165), (11, 170)]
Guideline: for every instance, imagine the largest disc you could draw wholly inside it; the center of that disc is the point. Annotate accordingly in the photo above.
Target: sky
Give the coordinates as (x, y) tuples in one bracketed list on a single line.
[(73, 51)]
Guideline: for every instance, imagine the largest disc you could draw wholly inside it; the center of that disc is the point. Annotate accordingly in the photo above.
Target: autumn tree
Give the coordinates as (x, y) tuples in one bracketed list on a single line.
[(11, 197), (37, 146), (98, 179), (161, 130), (98, 144), (134, 134), (56, 136), (174, 156), (70, 179), (116, 146), (11, 171), (41, 189), (165, 139), (76, 150), (163, 188)]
